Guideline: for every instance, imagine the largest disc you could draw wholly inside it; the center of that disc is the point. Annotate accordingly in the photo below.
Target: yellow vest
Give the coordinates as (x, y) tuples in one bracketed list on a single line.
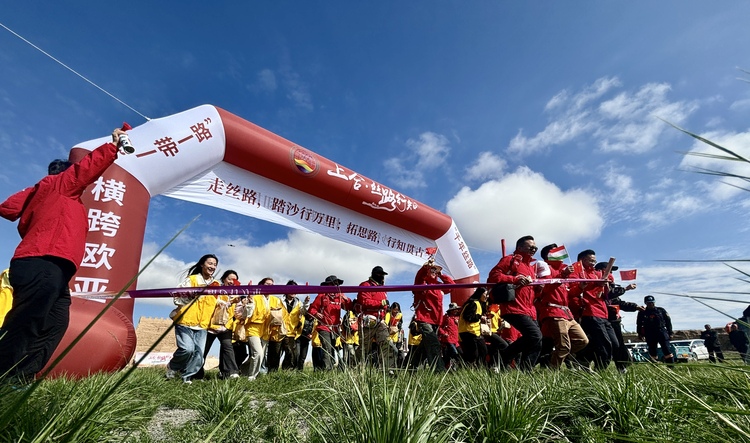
[(393, 336), (198, 313), (415, 340), (258, 324), (6, 295), (464, 326), (293, 320)]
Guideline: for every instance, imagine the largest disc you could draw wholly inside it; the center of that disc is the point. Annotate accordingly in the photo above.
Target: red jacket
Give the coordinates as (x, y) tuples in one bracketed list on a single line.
[(53, 220), (448, 331), (372, 302), (505, 271), (553, 296), (587, 299), (428, 304), (327, 309)]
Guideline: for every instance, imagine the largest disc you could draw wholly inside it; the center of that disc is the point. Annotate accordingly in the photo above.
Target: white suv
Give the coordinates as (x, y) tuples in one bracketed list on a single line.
[(697, 348)]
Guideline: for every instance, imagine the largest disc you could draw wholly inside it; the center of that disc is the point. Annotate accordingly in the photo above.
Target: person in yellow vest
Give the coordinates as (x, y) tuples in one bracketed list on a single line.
[(413, 355), (258, 326), (192, 316), (6, 296), (469, 328), (350, 339), (496, 343), (318, 355), (284, 338), (394, 321), (221, 328)]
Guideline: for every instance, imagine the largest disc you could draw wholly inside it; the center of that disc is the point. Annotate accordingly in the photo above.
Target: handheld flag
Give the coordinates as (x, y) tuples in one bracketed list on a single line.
[(557, 254), (627, 275), (431, 251)]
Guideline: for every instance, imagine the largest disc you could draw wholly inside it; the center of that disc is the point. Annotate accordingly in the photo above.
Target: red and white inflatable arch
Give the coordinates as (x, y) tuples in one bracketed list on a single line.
[(210, 156)]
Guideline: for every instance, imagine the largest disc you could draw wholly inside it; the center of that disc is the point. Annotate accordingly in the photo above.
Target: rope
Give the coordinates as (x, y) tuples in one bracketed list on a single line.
[(73, 71)]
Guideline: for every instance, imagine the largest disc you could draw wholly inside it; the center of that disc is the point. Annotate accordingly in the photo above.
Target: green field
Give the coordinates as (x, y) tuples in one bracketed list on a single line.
[(689, 403)]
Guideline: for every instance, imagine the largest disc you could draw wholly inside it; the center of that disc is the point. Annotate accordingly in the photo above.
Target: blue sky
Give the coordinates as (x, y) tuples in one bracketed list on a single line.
[(515, 118)]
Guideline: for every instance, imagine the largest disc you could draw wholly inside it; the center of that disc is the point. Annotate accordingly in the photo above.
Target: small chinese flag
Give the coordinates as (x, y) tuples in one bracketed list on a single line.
[(431, 251), (627, 275)]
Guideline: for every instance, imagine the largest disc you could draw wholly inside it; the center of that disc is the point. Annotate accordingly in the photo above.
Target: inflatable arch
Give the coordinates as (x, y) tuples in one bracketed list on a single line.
[(210, 156)]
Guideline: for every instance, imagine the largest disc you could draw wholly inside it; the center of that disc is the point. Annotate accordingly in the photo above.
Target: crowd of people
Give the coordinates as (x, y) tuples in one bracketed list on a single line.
[(530, 312)]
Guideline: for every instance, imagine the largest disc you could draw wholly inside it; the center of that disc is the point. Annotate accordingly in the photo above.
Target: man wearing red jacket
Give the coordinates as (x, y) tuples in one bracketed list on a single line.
[(555, 316), (53, 226), (327, 309), (516, 269), (589, 301), (428, 311), (373, 306)]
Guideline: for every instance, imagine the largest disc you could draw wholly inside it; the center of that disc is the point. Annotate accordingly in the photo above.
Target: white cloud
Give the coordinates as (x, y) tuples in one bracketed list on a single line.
[(266, 81), (626, 123), (621, 187), (524, 203), (738, 143), (487, 166), (422, 155)]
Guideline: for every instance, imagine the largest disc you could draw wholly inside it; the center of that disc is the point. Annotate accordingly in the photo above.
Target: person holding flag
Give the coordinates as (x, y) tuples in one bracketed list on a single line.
[(590, 300), (555, 317), (428, 311), (516, 269), (615, 304)]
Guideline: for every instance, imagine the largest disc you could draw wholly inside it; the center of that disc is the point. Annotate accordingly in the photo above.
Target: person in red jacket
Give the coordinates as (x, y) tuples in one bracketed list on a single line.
[(373, 306), (555, 316), (588, 300), (53, 226), (327, 309), (520, 313), (428, 311), (448, 334)]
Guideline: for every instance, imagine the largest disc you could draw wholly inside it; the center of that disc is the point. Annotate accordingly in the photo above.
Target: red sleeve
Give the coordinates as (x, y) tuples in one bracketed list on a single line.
[(75, 179), (12, 208), (421, 274), (448, 280), (315, 306), (367, 299), (499, 274)]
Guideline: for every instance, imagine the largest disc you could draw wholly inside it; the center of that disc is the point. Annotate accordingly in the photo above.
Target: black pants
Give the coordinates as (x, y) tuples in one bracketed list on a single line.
[(227, 363), (291, 353), (714, 353), (430, 344), (602, 340), (496, 346), (474, 347), (38, 318), (274, 356), (619, 352), (304, 345), (528, 346), (241, 353)]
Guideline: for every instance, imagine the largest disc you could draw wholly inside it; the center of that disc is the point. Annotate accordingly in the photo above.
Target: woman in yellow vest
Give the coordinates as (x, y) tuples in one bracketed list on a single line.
[(258, 326), (221, 327), (469, 328), (192, 316), (283, 339), (350, 339), (394, 321), (496, 343)]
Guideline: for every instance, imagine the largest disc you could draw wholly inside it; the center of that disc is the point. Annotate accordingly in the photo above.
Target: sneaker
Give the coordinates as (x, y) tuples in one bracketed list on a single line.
[(234, 376), (252, 377), (187, 382), (170, 374)]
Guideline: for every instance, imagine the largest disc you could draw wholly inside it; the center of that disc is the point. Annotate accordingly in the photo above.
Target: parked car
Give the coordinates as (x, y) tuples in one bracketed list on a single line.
[(698, 350), (639, 352)]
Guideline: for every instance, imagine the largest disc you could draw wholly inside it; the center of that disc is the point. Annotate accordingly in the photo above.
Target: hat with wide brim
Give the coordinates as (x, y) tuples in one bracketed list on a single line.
[(453, 306), (602, 265), (332, 280)]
